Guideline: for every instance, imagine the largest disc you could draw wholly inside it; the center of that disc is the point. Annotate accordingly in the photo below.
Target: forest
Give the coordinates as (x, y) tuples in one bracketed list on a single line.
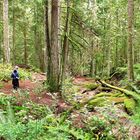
[(69, 70)]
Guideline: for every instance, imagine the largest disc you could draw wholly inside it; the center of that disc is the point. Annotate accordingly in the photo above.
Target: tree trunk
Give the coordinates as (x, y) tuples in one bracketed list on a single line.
[(130, 40), (109, 59), (52, 46), (1, 33), (25, 47), (38, 44), (48, 45), (65, 44), (92, 60), (116, 42), (6, 32), (54, 83), (13, 35), (41, 53)]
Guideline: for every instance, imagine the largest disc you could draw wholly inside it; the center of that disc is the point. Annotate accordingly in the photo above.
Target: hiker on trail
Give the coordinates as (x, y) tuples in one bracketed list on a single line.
[(15, 78)]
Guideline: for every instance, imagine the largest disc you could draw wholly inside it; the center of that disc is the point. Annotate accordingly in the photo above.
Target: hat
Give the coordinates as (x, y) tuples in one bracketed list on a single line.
[(16, 67)]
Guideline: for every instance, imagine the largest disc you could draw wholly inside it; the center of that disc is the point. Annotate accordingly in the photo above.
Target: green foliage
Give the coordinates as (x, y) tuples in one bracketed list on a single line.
[(136, 115), (99, 128), (130, 105), (91, 86), (107, 121), (4, 99), (97, 102), (69, 90), (137, 71), (1, 85), (16, 130), (121, 72), (6, 71), (48, 127)]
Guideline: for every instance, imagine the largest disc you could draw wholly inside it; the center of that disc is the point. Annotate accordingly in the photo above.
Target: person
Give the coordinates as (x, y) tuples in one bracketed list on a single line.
[(15, 78)]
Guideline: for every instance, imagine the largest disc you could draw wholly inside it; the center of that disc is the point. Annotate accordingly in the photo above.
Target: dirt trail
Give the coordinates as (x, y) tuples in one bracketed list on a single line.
[(33, 87), (46, 98)]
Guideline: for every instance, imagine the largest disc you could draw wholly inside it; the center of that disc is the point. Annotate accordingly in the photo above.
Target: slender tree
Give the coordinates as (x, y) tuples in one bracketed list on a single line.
[(1, 33), (65, 43), (54, 46), (130, 40), (6, 32), (48, 45), (14, 33), (37, 36), (25, 46)]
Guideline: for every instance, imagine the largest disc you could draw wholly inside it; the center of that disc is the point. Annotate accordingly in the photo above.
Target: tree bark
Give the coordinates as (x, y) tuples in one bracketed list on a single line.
[(25, 47), (52, 46), (48, 41), (1, 33), (130, 40), (116, 41), (65, 44), (92, 60), (38, 43), (6, 32), (13, 35), (54, 83)]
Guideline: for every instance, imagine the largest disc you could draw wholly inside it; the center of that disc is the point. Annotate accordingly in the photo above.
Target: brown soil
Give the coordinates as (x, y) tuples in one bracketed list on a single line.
[(45, 98)]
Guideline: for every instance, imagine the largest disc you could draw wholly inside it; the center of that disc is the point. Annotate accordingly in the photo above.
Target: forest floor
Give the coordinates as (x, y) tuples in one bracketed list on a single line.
[(33, 88)]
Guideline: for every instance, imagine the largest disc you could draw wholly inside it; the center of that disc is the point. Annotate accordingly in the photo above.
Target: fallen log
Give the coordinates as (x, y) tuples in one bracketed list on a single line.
[(125, 91), (132, 94)]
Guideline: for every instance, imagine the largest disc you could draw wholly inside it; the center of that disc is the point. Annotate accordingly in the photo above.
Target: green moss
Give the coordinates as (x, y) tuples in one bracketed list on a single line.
[(117, 99), (91, 86), (100, 101), (118, 94), (108, 94), (1, 85), (130, 105), (103, 94)]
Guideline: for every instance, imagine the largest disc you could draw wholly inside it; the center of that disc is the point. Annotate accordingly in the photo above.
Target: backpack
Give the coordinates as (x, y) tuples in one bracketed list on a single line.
[(15, 75)]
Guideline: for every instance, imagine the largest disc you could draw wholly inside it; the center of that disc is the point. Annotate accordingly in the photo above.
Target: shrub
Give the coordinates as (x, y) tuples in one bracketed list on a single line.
[(6, 70)]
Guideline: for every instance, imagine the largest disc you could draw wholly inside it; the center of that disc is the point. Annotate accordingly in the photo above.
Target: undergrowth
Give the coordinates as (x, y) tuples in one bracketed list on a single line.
[(6, 70), (38, 122)]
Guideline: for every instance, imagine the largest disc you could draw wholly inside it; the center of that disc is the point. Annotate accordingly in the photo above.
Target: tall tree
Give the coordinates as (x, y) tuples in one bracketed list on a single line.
[(130, 40), (37, 36), (1, 33), (6, 32), (52, 46), (47, 34), (14, 33), (25, 46)]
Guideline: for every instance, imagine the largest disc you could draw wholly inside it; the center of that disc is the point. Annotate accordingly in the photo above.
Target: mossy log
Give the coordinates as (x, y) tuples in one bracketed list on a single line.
[(101, 101), (134, 95), (130, 105), (107, 94), (91, 86)]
